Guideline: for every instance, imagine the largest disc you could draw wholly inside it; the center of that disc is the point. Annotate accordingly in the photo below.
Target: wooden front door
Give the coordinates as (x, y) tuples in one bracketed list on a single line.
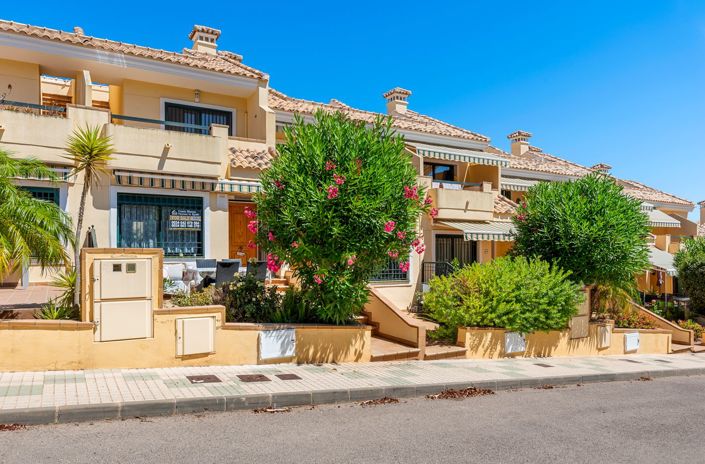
[(239, 235)]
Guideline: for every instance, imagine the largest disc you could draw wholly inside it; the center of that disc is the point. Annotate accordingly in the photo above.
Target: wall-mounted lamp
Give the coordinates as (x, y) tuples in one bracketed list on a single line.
[(197, 96), (167, 146)]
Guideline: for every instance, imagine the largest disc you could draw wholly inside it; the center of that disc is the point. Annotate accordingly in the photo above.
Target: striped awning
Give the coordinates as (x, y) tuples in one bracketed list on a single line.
[(459, 154), (164, 181), (660, 219), (647, 206), (662, 260), (62, 173), (516, 184), (495, 231)]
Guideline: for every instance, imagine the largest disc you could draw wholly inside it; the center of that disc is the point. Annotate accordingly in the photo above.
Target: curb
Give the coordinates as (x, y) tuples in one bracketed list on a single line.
[(127, 410)]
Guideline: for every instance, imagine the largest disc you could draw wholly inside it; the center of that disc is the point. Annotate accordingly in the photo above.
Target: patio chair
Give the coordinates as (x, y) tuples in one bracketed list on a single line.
[(225, 270), (259, 270)]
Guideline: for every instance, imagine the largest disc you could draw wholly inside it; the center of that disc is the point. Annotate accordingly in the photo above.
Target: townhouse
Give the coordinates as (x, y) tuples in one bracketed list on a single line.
[(193, 129)]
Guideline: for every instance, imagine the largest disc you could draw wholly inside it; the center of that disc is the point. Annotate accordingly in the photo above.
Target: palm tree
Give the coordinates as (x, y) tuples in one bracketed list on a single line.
[(90, 152), (30, 229)]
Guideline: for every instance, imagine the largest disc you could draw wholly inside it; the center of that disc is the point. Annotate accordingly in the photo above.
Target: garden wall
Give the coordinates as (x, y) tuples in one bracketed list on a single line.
[(489, 343), (29, 345)]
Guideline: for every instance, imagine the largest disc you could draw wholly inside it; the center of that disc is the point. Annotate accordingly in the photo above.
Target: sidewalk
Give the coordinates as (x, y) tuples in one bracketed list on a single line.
[(74, 396)]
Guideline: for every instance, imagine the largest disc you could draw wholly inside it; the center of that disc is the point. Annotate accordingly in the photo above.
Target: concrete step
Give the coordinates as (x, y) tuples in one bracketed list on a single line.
[(433, 352), (678, 348), (387, 350), (277, 281)]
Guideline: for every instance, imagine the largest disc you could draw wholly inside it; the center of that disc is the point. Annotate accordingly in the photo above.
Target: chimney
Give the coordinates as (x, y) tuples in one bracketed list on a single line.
[(520, 142), (78, 30), (702, 212), (604, 168), (204, 39), (397, 100)]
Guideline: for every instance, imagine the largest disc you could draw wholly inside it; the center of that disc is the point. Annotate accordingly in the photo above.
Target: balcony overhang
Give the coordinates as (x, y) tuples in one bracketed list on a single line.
[(516, 184), (662, 261), (658, 218), (459, 155), (494, 231)]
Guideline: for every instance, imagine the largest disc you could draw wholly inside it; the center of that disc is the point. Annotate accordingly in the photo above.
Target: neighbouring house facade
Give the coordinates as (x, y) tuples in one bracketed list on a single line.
[(193, 130)]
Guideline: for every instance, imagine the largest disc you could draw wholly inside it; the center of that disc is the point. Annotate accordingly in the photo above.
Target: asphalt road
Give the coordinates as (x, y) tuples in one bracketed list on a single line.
[(643, 421)]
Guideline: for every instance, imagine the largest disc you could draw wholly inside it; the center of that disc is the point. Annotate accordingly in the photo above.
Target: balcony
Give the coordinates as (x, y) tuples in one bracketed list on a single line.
[(31, 130), (463, 201)]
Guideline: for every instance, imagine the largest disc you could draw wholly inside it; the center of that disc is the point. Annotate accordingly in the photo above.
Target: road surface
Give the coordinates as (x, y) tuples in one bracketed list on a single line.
[(662, 420)]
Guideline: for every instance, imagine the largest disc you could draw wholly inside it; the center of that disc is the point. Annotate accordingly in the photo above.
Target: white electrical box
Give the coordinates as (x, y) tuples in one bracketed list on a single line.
[(277, 343), (514, 342), (195, 335), (122, 298), (604, 337), (631, 342)]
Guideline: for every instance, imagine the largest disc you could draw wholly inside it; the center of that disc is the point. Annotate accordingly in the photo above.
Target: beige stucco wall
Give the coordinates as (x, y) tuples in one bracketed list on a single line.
[(57, 345), (24, 79), (489, 343)]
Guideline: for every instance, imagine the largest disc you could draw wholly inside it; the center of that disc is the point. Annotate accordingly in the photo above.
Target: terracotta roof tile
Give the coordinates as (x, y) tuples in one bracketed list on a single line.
[(409, 121), (224, 62), (538, 161), (249, 158), (645, 193), (503, 205)]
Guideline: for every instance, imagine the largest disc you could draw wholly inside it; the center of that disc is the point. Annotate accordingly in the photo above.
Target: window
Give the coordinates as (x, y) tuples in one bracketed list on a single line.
[(44, 193), (174, 224), (452, 247), (439, 171), (199, 116)]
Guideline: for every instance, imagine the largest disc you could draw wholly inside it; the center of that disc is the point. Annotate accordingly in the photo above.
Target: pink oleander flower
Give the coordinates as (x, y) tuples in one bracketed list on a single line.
[(401, 235), (393, 254), (252, 226), (415, 242), (340, 180), (420, 248), (351, 260), (433, 213), (404, 266), (270, 236), (389, 226), (318, 278), (279, 184), (428, 201), (411, 192), (521, 217), (330, 166), (332, 192), (251, 244), (294, 244), (249, 213), (273, 263)]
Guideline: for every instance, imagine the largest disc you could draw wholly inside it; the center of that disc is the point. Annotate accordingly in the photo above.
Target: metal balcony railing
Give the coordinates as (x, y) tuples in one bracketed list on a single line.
[(44, 110), (168, 125), (432, 269), (391, 273)]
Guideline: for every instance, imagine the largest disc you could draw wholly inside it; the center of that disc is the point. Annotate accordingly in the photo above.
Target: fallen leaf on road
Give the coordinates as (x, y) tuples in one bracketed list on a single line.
[(11, 427), (458, 394), (385, 400), (270, 410)]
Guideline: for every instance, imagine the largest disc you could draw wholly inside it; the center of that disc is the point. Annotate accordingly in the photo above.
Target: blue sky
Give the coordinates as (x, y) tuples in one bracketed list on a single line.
[(621, 82)]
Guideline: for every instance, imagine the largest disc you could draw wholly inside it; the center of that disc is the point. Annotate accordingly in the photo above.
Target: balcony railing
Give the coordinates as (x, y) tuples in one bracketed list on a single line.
[(33, 108), (433, 269), (168, 125), (391, 273), (454, 185)]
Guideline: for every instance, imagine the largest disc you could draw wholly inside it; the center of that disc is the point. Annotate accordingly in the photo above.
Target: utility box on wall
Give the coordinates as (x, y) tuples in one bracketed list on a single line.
[(195, 335), (119, 292)]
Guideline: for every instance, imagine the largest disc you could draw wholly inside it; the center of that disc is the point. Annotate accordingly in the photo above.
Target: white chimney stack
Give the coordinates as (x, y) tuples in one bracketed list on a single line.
[(397, 100), (604, 168), (205, 39), (520, 142)]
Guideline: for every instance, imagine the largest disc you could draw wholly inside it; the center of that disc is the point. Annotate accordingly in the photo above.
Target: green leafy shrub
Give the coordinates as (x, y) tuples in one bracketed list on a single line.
[(690, 263), (518, 294), (443, 335), (588, 227), (66, 281), (694, 326), (194, 298), (247, 299), (667, 310), (631, 319), (53, 311), (339, 200)]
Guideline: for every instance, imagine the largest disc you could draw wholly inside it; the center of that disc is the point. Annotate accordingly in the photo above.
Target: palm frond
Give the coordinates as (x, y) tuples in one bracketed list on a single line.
[(89, 151)]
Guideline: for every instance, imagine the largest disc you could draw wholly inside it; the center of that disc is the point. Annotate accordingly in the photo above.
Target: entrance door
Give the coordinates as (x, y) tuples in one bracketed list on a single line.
[(239, 235), (452, 247)]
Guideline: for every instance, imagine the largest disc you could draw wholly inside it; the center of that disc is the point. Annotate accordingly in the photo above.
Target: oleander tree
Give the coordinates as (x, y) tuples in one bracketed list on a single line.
[(339, 201), (588, 227), (690, 263), (30, 229)]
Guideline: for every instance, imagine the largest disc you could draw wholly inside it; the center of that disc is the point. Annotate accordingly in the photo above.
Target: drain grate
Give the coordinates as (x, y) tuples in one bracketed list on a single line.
[(203, 379), (632, 361), (542, 365), (254, 378), (288, 377)]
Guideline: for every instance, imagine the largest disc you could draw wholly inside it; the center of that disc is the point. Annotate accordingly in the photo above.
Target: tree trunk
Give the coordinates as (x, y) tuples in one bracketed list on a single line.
[(77, 245)]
